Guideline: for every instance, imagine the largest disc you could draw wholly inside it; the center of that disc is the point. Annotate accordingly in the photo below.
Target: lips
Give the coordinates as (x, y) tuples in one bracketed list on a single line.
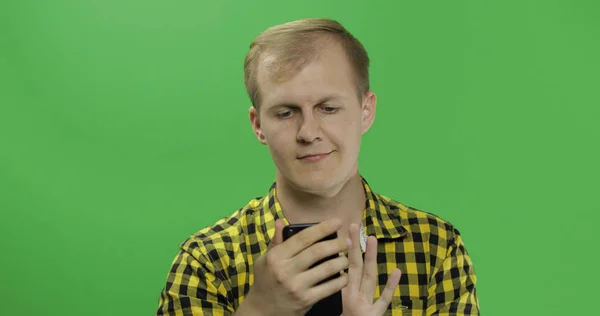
[(314, 157)]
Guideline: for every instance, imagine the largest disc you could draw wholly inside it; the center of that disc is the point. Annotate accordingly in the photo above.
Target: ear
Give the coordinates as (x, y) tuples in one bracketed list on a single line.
[(255, 121), (368, 110)]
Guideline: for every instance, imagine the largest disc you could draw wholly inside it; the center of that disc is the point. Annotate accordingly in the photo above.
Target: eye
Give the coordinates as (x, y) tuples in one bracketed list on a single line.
[(284, 114), (329, 109)]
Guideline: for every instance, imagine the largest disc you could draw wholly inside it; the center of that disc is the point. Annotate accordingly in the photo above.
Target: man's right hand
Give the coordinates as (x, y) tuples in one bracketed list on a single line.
[(283, 282)]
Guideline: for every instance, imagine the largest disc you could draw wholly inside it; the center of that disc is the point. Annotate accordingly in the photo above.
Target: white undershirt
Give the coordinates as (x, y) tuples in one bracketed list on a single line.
[(363, 238)]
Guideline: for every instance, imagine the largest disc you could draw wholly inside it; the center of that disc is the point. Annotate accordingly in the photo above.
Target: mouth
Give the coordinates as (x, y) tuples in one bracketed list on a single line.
[(314, 157)]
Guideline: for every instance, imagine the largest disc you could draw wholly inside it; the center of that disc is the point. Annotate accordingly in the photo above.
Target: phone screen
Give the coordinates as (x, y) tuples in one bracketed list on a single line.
[(331, 305)]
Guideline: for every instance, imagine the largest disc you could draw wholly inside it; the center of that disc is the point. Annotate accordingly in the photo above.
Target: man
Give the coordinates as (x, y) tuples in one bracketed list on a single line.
[(311, 104)]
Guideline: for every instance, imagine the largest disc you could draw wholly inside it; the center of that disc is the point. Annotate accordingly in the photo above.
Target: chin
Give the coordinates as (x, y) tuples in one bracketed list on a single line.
[(323, 184)]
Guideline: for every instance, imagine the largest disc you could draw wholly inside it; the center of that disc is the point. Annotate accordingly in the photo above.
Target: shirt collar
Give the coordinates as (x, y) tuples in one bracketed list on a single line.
[(381, 218)]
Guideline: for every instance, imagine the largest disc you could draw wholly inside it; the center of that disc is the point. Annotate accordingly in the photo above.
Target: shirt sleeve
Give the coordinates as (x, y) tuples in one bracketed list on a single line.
[(194, 287), (452, 288)]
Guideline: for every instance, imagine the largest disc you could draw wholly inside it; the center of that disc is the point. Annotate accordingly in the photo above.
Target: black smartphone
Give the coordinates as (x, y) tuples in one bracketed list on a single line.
[(331, 305)]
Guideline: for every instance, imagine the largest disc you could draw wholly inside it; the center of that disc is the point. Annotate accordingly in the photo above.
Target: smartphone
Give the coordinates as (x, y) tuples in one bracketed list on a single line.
[(331, 305)]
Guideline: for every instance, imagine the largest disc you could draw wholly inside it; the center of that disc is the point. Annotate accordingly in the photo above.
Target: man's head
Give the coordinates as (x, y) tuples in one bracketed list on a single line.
[(309, 87)]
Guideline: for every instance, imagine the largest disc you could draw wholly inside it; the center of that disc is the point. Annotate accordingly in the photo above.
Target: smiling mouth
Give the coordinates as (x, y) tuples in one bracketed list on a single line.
[(314, 157)]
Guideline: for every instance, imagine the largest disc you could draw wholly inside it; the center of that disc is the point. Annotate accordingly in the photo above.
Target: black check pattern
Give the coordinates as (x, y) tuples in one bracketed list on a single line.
[(213, 270)]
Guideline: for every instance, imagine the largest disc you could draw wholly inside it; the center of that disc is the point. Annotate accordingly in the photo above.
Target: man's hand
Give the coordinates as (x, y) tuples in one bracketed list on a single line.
[(358, 295), (283, 282)]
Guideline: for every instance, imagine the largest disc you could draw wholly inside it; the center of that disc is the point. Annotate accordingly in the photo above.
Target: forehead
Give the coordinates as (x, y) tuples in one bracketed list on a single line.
[(328, 73)]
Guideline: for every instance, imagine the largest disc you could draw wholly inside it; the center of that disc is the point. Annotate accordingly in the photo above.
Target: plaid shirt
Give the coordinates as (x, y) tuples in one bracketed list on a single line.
[(213, 270)]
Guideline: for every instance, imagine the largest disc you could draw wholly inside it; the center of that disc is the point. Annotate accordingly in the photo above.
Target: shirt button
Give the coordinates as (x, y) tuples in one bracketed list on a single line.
[(254, 203)]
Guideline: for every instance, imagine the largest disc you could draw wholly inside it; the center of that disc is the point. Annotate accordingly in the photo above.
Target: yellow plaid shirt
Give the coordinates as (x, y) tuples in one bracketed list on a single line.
[(213, 270)]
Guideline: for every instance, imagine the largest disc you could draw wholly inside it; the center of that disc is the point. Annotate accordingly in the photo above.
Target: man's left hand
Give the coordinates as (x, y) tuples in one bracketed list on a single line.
[(358, 295)]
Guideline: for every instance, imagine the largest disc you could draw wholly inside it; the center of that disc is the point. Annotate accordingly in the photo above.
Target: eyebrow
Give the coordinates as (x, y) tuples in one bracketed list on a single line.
[(322, 100)]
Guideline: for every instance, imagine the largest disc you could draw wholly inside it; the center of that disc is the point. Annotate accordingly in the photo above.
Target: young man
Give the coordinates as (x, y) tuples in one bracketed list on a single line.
[(308, 81)]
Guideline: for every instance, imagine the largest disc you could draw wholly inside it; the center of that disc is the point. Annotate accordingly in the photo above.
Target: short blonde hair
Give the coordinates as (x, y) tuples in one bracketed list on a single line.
[(294, 45)]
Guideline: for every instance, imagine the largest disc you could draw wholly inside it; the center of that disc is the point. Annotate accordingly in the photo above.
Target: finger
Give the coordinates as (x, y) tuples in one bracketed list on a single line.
[(309, 236), (355, 258), (326, 289), (278, 237), (320, 252), (386, 296), (369, 278), (322, 271)]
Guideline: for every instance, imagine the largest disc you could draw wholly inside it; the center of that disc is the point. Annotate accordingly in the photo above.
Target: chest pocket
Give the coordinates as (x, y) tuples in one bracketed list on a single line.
[(403, 306)]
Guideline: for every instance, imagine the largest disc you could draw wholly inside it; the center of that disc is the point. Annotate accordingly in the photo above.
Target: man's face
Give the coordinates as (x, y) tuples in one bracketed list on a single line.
[(313, 123)]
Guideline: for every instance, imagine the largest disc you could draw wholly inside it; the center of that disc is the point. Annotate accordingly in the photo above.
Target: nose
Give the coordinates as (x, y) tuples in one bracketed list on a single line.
[(310, 130)]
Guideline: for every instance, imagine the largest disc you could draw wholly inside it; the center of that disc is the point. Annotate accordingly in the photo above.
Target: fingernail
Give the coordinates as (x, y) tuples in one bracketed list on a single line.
[(349, 242)]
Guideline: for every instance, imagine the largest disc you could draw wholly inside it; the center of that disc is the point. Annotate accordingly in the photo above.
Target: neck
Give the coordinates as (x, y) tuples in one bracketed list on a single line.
[(347, 203)]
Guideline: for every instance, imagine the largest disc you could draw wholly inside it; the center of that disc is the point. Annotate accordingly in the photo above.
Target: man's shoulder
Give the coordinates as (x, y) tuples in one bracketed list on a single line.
[(416, 220), (227, 232)]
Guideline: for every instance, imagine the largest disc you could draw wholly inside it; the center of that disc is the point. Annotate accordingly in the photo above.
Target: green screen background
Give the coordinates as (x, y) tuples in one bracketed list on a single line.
[(124, 129)]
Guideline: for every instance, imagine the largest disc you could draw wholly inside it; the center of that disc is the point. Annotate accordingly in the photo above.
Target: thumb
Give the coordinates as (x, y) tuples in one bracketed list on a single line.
[(278, 238)]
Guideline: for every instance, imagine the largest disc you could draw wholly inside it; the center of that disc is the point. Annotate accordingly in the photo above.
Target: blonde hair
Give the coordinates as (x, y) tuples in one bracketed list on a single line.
[(295, 44)]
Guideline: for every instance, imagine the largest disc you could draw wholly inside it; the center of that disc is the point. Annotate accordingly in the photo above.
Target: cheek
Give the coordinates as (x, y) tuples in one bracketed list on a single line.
[(352, 144), (348, 135), (280, 143)]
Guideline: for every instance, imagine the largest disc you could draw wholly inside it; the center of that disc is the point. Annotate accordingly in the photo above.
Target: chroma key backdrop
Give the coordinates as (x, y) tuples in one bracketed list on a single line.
[(124, 129)]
